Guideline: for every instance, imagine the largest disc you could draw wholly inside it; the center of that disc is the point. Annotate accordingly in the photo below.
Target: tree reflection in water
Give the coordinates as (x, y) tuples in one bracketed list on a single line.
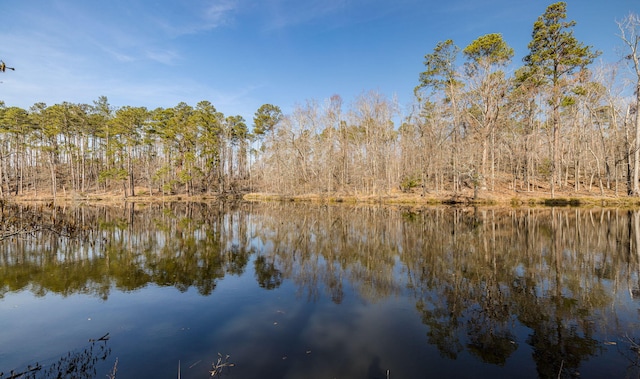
[(267, 275), (535, 267), (474, 274)]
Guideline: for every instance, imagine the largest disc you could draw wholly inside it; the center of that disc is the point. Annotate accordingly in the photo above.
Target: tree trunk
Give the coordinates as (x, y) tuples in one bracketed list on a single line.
[(636, 146), (554, 147), (52, 169), (130, 172)]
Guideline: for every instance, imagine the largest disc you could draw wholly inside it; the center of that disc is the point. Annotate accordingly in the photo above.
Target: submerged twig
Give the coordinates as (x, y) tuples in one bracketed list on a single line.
[(634, 345), (112, 374), (220, 365), (16, 375), (103, 338), (561, 365)]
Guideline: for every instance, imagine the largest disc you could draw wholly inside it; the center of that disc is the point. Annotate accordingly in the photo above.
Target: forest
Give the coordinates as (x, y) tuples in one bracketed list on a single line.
[(556, 124)]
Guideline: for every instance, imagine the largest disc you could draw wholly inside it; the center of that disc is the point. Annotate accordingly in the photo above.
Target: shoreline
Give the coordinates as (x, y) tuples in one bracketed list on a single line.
[(465, 198)]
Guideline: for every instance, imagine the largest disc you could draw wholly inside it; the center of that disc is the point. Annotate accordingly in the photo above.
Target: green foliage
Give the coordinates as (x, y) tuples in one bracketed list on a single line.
[(544, 168), (266, 118), (14, 120), (440, 70), (170, 185), (112, 174), (409, 182), (127, 124), (237, 129), (568, 101), (185, 176), (554, 51), (487, 51), (579, 90)]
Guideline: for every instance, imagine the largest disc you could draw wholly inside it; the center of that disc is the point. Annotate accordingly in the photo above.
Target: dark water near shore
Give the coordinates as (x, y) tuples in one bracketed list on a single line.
[(292, 290)]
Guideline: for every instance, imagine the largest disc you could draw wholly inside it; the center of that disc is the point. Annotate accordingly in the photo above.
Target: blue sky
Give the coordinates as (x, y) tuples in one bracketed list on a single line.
[(240, 54)]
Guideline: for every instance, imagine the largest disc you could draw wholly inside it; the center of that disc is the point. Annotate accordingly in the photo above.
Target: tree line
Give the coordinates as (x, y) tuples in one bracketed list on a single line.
[(555, 123), (83, 148)]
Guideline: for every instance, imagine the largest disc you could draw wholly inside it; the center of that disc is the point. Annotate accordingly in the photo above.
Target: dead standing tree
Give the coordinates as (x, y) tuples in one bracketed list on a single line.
[(630, 35)]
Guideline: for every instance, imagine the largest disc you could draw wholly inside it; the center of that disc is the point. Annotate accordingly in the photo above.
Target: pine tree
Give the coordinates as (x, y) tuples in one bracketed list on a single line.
[(554, 55)]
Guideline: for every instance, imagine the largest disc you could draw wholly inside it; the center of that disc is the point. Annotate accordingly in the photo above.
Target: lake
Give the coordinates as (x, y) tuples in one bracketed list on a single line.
[(298, 290)]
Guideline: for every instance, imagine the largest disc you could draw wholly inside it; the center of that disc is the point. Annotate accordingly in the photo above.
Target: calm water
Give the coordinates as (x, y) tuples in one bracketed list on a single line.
[(303, 291)]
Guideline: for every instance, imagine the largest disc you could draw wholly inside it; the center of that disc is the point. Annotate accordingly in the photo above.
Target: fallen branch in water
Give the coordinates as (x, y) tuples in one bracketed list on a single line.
[(220, 365), (103, 338)]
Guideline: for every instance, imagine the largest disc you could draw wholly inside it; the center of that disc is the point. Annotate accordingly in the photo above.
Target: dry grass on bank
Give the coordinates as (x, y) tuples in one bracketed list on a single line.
[(499, 197), (112, 197), (495, 198)]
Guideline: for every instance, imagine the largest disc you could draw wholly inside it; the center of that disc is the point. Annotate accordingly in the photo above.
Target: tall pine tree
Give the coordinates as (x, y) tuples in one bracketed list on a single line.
[(554, 55)]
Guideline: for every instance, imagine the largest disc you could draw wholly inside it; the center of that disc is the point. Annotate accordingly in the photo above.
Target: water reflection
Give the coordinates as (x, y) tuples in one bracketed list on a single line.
[(180, 246), (77, 364), (488, 283), (540, 268)]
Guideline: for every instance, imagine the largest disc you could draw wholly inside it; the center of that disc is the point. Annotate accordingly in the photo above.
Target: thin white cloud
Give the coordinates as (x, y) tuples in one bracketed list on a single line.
[(288, 13), (163, 56), (193, 18), (219, 12), (118, 55)]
